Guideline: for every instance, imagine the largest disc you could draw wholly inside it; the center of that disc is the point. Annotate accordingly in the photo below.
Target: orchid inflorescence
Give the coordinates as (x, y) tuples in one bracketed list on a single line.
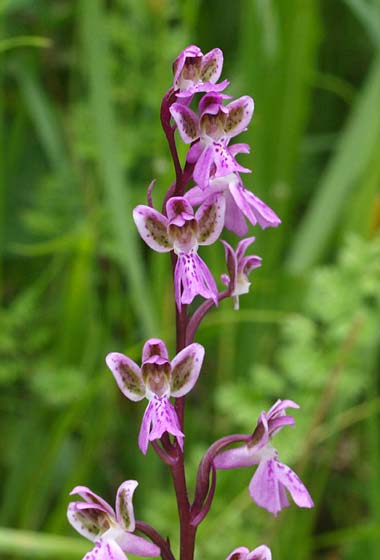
[(207, 196)]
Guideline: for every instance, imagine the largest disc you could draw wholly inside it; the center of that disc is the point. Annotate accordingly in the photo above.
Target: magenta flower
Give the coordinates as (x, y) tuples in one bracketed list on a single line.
[(157, 380), (272, 478), (242, 553), (110, 530), (182, 232), (240, 204), (212, 132), (239, 267), (196, 72)]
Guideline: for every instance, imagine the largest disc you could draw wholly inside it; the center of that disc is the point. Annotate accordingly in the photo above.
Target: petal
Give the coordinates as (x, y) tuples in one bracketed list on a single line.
[(154, 347), (152, 226), (143, 439), (196, 196), (105, 550), (239, 148), (260, 553), (186, 367), (191, 51), (238, 554), (293, 484), (231, 262), (211, 67), (247, 264), (264, 488), (91, 498), (196, 279), (127, 375), (124, 508), (210, 218), (133, 544), (187, 122), (224, 161), (203, 166), (164, 419), (90, 520), (235, 458), (194, 152), (253, 208), (234, 218), (202, 87), (240, 113), (243, 246), (280, 406)]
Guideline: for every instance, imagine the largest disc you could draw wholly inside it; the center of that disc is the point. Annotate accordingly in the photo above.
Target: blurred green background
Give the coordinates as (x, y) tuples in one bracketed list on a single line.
[(80, 139)]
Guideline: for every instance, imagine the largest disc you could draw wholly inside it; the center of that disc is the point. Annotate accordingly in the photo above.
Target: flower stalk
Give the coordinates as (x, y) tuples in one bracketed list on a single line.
[(206, 197)]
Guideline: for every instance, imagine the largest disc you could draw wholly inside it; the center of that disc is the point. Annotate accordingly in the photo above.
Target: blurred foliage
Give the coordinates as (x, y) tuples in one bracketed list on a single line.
[(80, 140)]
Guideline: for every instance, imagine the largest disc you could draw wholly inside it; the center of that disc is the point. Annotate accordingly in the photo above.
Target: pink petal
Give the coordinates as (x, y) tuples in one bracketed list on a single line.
[(196, 279), (143, 439), (238, 554), (239, 148), (154, 347), (186, 367), (231, 262), (234, 219), (210, 218), (127, 375), (152, 226), (264, 488), (187, 122), (253, 208), (105, 550), (134, 544), (90, 520), (235, 458), (260, 553), (294, 485), (160, 417), (91, 498), (243, 246), (211, 67), (196, 196), (191, 51), (203, 166), (240, 113), (124, 508)]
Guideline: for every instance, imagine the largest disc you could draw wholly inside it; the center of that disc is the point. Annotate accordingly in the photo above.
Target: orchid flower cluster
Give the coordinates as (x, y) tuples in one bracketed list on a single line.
[(207, 196)]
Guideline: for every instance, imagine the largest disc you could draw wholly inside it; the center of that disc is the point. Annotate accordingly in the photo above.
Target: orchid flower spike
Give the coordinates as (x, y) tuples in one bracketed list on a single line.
[(242, 553), (196, 72), (241, 204), (211, 133), (111, 530), (272, 478), (182, 232), (239, 267), (157, 380)]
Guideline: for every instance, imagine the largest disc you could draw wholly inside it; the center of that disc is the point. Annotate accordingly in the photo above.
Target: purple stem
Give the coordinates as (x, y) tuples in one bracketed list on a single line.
[(169, 99), (187, 531), (155, 537)]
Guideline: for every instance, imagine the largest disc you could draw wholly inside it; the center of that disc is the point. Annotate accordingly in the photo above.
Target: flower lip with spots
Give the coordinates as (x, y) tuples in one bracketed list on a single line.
[(157, 379), (210, 134), (182, 231), (272, 478), (111, 530), (195, 72)]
